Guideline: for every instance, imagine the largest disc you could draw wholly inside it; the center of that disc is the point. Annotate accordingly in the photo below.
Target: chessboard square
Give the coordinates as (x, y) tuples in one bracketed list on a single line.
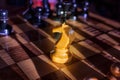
[(100, 62), (47, 29), (32, 50), (3, 63), (56, 75), (43, 67), (91, 31), (17, 53), (79, 71), (32, 35), (114, 52), (24, 51), (114, 36), (37, 65), (24, 27), (46, 45), (7, 42), (29, 69), (81, 52), (78, 37), (16, 20), (8, 73), (82, 33), (1, 48), (5, 59), (100, 43), (72, 61)]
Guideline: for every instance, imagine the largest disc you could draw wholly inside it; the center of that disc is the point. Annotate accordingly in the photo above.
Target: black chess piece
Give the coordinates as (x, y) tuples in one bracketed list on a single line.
[(85, 9), (37, 17), (28, 13), (59, 10), (5, 29), (46, 9), (66, 10), (34, 15), (74, 10)]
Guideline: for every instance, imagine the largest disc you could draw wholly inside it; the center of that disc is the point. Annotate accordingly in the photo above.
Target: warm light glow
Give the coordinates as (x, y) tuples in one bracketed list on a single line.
[(61, 54), (115, 69), (37, 3), (92, 78)]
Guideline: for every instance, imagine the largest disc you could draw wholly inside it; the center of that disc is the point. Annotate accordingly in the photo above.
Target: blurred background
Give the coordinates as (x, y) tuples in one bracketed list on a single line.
[(106, 8)]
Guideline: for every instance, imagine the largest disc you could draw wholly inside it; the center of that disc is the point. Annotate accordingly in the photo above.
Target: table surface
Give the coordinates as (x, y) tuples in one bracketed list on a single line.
[(25, 54)]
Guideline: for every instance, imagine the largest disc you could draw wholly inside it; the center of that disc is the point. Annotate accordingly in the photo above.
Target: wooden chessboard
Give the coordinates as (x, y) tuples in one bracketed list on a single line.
[(25, 54)]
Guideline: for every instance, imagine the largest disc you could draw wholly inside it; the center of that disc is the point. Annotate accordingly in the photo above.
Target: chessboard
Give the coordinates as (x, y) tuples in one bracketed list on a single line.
[(25, 54)]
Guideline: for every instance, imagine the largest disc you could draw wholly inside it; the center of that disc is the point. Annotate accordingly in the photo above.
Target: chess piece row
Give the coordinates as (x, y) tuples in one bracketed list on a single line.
[(41, 8), (63, 10), (66, 9)]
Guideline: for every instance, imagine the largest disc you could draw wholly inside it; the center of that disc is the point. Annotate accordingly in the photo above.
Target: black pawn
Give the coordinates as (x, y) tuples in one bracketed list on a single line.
[(59, 7), (59, 10), (85, 9), (66, 10), (37, 19), (46, 9), (5, 29), (74, 10)]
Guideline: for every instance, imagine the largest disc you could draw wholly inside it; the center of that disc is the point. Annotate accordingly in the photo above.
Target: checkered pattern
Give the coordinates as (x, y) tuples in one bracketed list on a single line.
[(25, 54)]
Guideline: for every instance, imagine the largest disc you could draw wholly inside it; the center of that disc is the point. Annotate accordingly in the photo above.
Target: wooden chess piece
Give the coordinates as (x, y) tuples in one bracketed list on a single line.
[(61, 53)]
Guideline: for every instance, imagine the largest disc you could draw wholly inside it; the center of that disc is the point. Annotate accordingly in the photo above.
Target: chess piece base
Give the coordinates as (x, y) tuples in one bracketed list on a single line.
[(61, 56), (6, 31)]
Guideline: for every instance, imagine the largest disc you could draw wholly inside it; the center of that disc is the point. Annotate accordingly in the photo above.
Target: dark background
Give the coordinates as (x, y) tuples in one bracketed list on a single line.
[(106, 8)]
